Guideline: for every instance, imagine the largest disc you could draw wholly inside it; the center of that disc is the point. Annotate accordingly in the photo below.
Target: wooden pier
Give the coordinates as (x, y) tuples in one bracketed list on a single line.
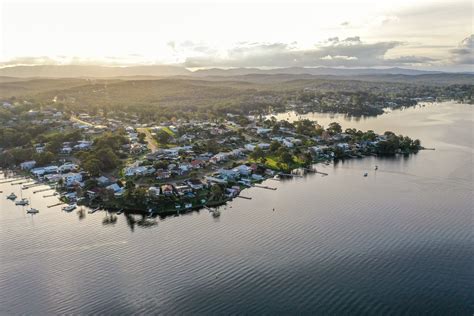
[(291, 175), (28, 186), (42, 190), (264, 187), (57, 204), (244, 197), (22, 182), (11, 180)]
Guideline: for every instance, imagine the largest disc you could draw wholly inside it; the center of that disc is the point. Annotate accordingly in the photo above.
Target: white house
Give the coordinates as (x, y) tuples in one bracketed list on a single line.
[(27, 165), (154, 191), (243, 170), (72, 178), (287, 143), (68, 167), (250, 147), (228, 173)]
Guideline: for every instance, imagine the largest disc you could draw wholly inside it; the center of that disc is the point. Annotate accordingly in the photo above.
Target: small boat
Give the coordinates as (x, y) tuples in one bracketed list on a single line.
[(32, 211), (376, 167), (22, 202), (366, 174), (69, 207), (12, 196)]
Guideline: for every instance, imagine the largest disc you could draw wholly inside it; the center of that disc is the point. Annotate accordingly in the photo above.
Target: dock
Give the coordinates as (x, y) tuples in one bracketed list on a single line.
[(57, 204), (28, 186), (42, 190), (11, 180), (244, 197), (21, 182), (291, 175), (264, 187)]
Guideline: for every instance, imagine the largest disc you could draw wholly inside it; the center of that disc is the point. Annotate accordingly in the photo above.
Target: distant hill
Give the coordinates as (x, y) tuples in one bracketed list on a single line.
[(149, 71), (83, 71), (319, 71)]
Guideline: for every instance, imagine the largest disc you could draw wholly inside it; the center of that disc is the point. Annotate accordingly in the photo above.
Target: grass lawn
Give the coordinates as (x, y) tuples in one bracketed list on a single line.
[(168, 130)]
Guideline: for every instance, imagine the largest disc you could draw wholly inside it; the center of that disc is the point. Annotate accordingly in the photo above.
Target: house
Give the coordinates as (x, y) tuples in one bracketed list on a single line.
[(118, 190), (228, 173), (66, 150), (184, 167), (343, 146), (183, 189), (219, 157), (40, 149), (197, 163), (27, 165), (195, 184), (243, 170), (139, 171), (262, 131), (167, 189), (83, 145), (318, 149), (103, 181), (51, 169), (154, 191), (287, 143), (69, 179), (67, 167), (162, 174), (250, 147)]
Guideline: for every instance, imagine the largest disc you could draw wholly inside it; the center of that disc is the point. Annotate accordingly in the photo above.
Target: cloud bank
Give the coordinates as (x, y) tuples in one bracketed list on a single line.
[(348, 52)]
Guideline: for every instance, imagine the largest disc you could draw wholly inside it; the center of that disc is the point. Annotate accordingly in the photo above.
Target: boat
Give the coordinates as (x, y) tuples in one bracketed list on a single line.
[(32, 211), (12, 196), (23, 201), (69, 207), (376, 167), (366, 174)]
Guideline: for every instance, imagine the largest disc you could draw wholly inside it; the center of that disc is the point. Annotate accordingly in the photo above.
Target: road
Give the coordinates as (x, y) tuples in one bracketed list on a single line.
[(151, 142)]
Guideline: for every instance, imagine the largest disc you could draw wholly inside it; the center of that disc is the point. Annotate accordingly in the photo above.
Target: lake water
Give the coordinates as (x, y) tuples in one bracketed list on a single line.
[(396, 242)]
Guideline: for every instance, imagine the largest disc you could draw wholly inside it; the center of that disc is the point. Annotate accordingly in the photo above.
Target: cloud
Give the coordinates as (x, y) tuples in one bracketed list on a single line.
[(348, 52), (463, 54)]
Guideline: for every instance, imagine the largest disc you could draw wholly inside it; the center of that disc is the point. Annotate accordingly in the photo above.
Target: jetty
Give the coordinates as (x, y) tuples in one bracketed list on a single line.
[(42, 190), (264, 187), (27, 186), (291, 175), (244, 197), (21, 182), (57, 204), (11, 180)]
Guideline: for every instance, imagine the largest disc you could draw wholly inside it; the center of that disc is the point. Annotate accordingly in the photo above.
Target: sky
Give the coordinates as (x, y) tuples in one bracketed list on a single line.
[(423, 34)]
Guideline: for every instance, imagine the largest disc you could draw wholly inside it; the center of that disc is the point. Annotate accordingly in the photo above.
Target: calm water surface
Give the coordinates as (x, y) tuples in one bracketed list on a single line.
[(396, 242)]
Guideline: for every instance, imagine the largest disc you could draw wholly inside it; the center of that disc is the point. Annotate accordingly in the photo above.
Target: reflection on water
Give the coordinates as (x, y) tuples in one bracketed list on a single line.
[(395, 242)]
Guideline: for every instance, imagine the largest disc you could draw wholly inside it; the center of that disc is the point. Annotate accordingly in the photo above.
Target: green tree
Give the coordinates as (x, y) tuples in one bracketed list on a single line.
[(334, 128)]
